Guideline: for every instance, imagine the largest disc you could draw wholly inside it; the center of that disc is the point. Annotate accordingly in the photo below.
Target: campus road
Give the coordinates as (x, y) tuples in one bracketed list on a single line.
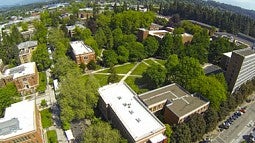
[(240, 129)]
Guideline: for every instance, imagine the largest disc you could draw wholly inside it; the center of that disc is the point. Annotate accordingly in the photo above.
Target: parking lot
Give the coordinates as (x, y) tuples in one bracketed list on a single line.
[(239, 129)]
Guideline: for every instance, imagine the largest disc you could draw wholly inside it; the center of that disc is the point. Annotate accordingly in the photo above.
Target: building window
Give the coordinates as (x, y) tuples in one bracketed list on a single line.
[(86, 57)]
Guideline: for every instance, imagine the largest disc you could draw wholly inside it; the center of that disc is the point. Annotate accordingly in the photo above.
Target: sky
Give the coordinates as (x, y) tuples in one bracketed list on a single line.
[(247, 4), (12, 2)]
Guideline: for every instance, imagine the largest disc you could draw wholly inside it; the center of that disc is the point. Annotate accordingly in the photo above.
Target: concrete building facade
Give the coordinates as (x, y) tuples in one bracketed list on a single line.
[(176, 103), (21, 124), (240, 68), (82, 53), (26, 50), (25, 77), (121, 106)]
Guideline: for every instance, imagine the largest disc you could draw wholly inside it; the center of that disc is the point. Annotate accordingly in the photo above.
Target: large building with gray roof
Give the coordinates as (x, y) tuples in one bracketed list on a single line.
[(240, 68), (176, 103)]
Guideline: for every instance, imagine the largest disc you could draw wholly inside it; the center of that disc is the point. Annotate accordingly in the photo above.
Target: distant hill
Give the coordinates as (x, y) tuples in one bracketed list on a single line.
[(236, 9), (11, 3)]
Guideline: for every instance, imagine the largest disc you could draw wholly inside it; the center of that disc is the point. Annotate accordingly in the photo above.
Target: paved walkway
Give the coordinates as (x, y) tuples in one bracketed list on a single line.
[(119, 74), (154, 60), (128, 74)]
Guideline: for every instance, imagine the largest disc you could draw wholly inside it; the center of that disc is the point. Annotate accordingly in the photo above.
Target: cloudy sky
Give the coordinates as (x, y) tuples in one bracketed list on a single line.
[(247, 4)]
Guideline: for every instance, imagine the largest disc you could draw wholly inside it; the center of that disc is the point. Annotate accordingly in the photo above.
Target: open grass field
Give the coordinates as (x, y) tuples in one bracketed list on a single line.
[(140, 69)]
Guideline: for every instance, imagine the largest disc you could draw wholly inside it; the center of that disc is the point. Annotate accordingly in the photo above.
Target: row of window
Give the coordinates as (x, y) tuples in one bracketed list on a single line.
[(23, 138)]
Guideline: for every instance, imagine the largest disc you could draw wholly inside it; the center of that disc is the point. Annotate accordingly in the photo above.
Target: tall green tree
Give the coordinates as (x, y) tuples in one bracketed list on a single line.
[(100, 38), (110, 58), (210, 88), (123, 54), (8, 96), (197, 127), (187, 69), (101, 132), (93, 44), (41, 57), (211, 118), (168, 132), (136, 51), (109, 38), (181, 134), (166, 45), (155, 76), (117, 37), (171, 64), (41, 32), (151, 46), (78, 98), (16, 35), (113, 77)]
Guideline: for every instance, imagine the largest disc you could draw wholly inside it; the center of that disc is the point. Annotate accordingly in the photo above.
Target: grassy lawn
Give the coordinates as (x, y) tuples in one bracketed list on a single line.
[(134, 83), (140, 69), (150, 62), (102, 79), (52, 136), (124, 69), (46, 118), (162, 62), (42, 82)]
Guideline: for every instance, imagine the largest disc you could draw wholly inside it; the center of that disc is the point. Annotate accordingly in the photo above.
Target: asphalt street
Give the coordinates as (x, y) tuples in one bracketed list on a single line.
[(240, 129)]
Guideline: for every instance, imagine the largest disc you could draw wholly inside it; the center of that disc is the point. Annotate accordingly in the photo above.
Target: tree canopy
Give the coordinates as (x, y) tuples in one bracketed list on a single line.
[(41, 57), (8, 96), (155, 76), (210, 88), (78, 98), (101, 132)]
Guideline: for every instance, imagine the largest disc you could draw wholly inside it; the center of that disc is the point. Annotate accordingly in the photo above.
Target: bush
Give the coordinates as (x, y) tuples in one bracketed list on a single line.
[(52, 136), (43, 103)]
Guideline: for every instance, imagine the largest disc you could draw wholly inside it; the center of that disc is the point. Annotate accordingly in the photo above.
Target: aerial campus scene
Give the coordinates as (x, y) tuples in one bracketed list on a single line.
[(127, 71)]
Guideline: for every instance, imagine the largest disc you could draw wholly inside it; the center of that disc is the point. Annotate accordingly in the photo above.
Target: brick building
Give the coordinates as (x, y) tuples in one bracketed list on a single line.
[(25, 77), (121, 106), (82, 53), (21, 124), (176, 103), (26, 50)]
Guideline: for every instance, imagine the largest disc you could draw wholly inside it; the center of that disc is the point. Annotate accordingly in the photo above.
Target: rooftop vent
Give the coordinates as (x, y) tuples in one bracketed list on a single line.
[(138, 120)]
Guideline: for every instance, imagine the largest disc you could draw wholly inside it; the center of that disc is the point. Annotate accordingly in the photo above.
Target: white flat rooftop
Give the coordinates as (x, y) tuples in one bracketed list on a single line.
[(135, 117), (21, 70), (80, 48), (24, 112)]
